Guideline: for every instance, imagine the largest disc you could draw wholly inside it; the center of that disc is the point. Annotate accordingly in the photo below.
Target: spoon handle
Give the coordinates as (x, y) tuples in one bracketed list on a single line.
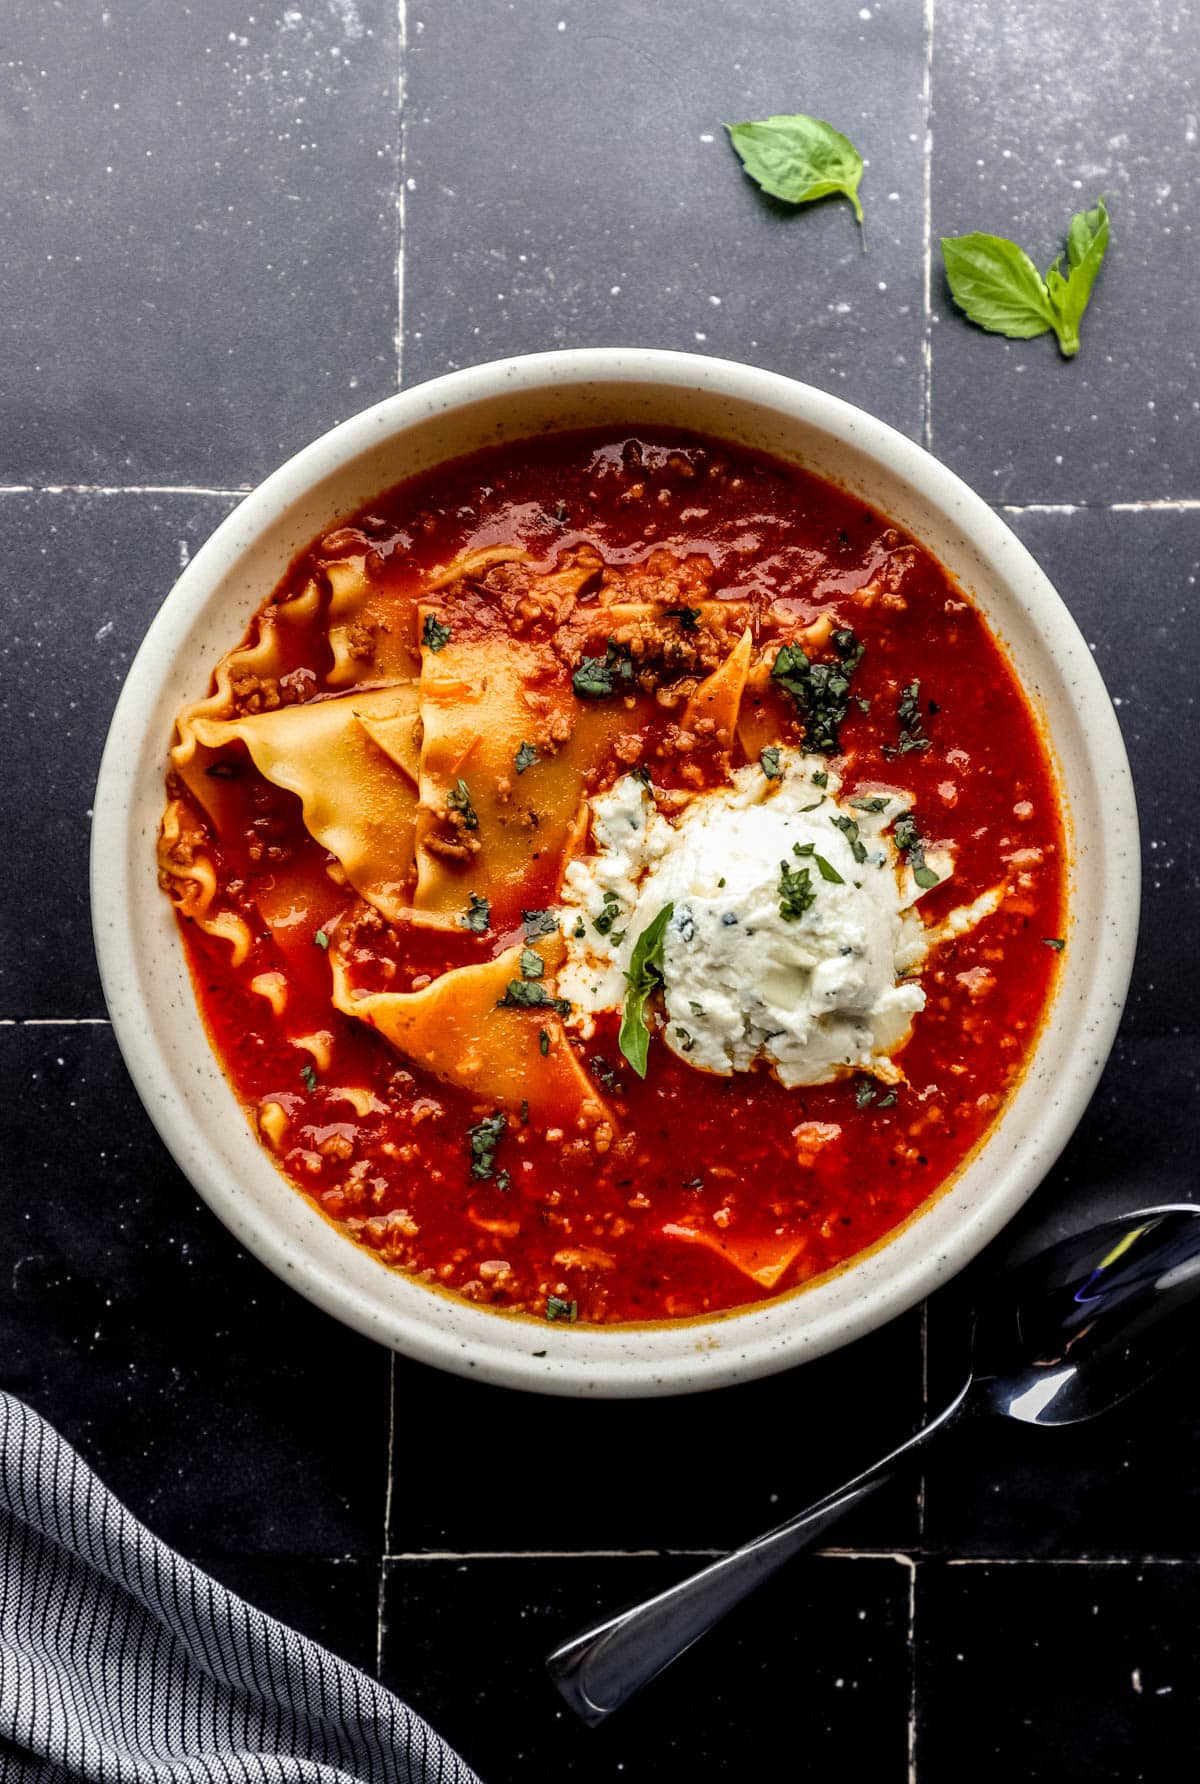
[(600, 1668)]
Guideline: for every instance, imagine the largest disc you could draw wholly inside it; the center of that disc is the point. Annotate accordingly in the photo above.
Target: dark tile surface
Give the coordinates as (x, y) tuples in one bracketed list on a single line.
[(94, 570), (1037, 111), (830, 1680), (1131, 581), (736, 1461), (603, 206), (1070, 1674), (183, 1371), (204, 202), (335, 1602), (200, 208)]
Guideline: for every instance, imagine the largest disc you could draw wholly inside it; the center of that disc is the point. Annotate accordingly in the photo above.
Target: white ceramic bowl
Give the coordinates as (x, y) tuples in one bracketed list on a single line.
[(142, 963)]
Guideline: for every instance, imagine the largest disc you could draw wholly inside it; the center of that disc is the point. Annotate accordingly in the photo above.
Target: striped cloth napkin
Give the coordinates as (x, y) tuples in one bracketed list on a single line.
[(122, 1663)]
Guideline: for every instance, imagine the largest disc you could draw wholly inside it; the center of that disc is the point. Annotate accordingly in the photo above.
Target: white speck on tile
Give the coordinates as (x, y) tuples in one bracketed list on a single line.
[(107, 627), (716, 303), (699, 335), (614, 291), (707, 136)]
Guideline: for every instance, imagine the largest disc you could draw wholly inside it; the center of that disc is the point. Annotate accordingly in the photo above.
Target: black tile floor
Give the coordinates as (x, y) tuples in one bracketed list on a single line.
[(226, 227)]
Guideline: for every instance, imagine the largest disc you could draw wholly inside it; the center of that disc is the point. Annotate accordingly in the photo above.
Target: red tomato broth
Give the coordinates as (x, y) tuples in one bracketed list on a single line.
[(715, 1154)]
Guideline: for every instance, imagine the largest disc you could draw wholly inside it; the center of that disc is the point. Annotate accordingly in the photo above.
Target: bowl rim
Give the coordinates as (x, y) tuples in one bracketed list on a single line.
[(575, 1367)]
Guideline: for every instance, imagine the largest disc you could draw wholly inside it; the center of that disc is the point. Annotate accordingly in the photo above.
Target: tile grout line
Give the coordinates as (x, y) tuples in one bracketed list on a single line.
[(910, 1558), (122, 489), (1149, 505), (927, 209), (911, 1644), (401, 197), (54, 1022), (387, 1513)]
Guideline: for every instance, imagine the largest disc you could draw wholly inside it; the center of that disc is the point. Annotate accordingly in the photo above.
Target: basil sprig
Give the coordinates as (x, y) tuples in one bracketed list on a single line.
[(997, 285), (798, 158), (644, 976)]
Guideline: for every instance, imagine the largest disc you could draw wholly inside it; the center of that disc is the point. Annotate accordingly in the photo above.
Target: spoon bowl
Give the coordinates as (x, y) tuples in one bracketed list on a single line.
[(1065, 1337)]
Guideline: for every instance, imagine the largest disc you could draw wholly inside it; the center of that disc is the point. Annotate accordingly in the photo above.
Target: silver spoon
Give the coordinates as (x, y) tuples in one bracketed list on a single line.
[(1061, 1339)]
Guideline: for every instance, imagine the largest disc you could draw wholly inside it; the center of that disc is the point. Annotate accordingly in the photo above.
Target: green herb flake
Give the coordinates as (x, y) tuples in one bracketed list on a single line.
[(1054, 941), (686, 1043), (524, 1111), (435, 635), (598, 676), (644, 977), (459, 799), (557, 1308), (688, 617), (911, 844), (912, 726), (796, 892), (528, 994), (526, 757), (484, 1139), (820, 778), (828, 871), (798, 159), (579, 931), (769, 762), (308, 1075), (849, 830), (819, 691), (864, 1093), (478, 915), (874, 804), (539, 923), (543, 1042), (998, 287), (532, 964), (321, 940), (504, 1181)]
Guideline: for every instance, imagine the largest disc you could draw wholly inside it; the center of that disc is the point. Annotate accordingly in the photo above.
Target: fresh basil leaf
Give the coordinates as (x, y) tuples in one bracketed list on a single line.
[(526, 757), (1087, 244), (997, 285), (643, 977), (798, 158), (532, 964)]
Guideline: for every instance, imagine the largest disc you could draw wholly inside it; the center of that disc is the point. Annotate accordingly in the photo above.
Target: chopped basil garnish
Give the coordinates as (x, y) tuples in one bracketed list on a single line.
[(684, 1038), (1054, 941), (867, 1092), (644, 976), (769, 762), (543, 1042), (459, 799), (827, 870), (434, 633), (602, 1070), (538, 923), (876, 803), (849, 830), (478, 915), (911, 844), (321, 940), (309, 1075), (687, 617), (597, 676), (820, 691), (579, 931), (484, 1138), (912, 726), (820, 778), (556, 1308), (795, 891), (532, 964), (528, 994), (525, 757)]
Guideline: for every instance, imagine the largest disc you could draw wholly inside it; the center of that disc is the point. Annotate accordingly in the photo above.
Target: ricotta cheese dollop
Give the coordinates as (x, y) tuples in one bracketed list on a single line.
[(793, 939)]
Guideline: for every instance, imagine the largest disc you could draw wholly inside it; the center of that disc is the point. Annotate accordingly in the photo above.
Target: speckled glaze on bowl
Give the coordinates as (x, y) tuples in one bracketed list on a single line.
[(145, 976)]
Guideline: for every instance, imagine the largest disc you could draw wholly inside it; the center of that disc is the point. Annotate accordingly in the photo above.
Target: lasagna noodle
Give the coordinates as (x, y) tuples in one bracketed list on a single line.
[(190, 877), (718, 699), (370, 636), (764, 1261), (480, 699), (345, 760), (459, 1029)]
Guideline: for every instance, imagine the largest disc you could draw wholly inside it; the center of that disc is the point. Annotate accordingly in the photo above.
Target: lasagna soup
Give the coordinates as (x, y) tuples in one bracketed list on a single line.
[(622, 877)]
